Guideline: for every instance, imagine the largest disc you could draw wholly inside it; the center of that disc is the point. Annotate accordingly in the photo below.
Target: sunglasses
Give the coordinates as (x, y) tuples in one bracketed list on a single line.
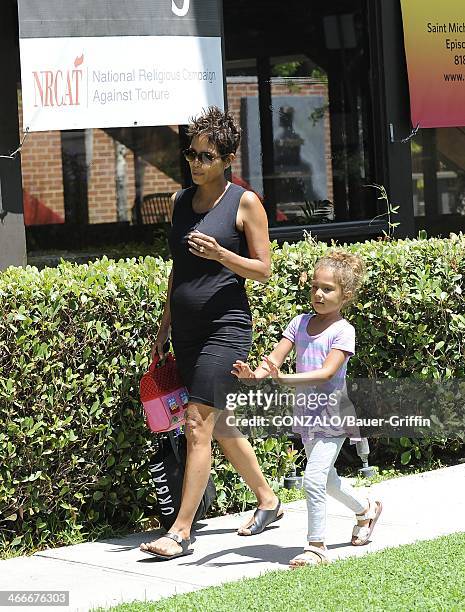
[(204, 157)]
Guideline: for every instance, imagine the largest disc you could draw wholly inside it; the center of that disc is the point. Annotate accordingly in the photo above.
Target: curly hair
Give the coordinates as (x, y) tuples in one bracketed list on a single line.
[(220, 128), (348, 270)]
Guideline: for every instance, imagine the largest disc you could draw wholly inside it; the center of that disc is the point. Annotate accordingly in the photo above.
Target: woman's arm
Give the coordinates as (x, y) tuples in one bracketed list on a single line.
[(165, 321), (166, 316), (333, 362), (252, 218)]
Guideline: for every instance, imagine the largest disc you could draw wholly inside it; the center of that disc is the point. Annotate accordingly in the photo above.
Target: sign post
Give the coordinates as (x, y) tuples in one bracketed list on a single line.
[(12, 233)]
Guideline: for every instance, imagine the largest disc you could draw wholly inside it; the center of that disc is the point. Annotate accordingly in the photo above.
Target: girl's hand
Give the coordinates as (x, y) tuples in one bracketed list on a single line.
[(204, 246), (272, 367), (242, 370)]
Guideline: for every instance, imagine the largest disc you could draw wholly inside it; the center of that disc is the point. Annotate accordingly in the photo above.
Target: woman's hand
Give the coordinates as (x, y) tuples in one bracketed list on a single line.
[(161, 339), (204, 246), (242, 370)]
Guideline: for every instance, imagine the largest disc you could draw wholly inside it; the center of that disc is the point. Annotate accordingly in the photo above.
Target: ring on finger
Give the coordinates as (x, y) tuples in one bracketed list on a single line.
[(201, 249)]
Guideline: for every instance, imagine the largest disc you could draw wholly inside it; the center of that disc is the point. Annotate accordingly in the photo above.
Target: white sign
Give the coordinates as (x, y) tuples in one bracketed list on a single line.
[(76, 83)]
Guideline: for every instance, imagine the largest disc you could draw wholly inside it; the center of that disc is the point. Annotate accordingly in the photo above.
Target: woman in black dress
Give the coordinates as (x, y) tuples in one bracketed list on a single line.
[(219, 238)]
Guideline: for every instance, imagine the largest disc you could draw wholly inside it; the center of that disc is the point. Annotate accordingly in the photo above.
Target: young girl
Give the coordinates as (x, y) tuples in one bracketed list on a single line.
[(324, 342)]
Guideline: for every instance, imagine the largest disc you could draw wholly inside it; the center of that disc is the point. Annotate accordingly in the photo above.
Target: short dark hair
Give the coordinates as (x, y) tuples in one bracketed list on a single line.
[(220, 128)]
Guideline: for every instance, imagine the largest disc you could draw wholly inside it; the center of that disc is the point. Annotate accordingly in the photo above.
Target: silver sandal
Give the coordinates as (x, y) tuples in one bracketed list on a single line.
[(184, 544)]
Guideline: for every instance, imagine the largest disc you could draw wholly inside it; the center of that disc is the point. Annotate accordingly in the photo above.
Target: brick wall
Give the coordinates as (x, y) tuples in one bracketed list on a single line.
[(102, 186), (42, 167), (155, 181)]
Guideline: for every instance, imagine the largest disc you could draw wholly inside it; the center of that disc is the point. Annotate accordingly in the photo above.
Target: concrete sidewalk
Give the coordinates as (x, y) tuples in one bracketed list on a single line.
[(105, 573)]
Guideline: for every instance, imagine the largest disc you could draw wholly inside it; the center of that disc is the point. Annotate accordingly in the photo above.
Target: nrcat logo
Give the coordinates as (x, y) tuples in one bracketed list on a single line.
[(59, 87), (180, 12)]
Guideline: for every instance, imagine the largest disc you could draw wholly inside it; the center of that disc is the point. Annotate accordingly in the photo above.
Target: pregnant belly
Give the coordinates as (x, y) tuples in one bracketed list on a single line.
[(195, 300)]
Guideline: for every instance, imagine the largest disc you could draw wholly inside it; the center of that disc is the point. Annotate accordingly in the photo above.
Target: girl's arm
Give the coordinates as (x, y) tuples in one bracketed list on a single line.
[(254, 222), (277, 357), (333, 362)]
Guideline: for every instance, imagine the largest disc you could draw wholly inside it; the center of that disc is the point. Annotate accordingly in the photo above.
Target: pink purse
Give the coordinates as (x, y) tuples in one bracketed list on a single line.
[(163, 395)]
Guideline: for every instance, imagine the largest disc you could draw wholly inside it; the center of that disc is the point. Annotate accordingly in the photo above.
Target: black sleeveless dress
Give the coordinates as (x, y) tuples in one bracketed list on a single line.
[(211, 324)]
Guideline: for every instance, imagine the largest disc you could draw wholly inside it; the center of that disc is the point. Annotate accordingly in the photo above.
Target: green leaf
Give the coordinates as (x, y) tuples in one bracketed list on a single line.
[(270, 443), (405, 457), (95, 406)]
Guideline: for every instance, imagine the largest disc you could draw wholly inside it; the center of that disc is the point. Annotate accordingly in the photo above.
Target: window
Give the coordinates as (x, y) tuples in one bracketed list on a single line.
[(438, 172), (306, 116)]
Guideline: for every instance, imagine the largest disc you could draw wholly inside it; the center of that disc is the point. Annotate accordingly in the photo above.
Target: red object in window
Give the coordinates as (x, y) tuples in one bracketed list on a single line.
[(37, 213), (237, 180)]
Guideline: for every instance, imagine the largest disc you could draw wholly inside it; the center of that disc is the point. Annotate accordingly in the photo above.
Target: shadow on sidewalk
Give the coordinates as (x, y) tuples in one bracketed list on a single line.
[(260, 553)]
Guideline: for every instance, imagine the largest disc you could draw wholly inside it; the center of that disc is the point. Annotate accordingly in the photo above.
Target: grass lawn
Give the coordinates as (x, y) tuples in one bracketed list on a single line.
[(424, 576)]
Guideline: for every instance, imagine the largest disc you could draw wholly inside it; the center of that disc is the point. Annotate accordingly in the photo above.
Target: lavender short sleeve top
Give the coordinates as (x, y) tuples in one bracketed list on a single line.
[(311, 354)]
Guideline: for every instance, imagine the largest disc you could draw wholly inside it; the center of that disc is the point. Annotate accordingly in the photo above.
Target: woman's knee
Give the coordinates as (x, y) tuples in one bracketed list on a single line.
[(199, 424)]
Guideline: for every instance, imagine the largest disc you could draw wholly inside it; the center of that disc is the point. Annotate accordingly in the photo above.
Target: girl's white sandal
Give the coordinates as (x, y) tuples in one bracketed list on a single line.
[(318, 557), (361, 535)]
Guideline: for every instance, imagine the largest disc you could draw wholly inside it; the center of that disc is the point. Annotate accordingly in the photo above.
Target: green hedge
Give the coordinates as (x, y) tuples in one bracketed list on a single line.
[(74, 341)]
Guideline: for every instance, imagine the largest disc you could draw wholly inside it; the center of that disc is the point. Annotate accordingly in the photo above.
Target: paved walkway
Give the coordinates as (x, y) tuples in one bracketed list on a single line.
[(105, 573)]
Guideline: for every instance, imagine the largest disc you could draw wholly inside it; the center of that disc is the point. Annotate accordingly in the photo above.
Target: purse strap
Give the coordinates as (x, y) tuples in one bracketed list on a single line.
[(174, 445)]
